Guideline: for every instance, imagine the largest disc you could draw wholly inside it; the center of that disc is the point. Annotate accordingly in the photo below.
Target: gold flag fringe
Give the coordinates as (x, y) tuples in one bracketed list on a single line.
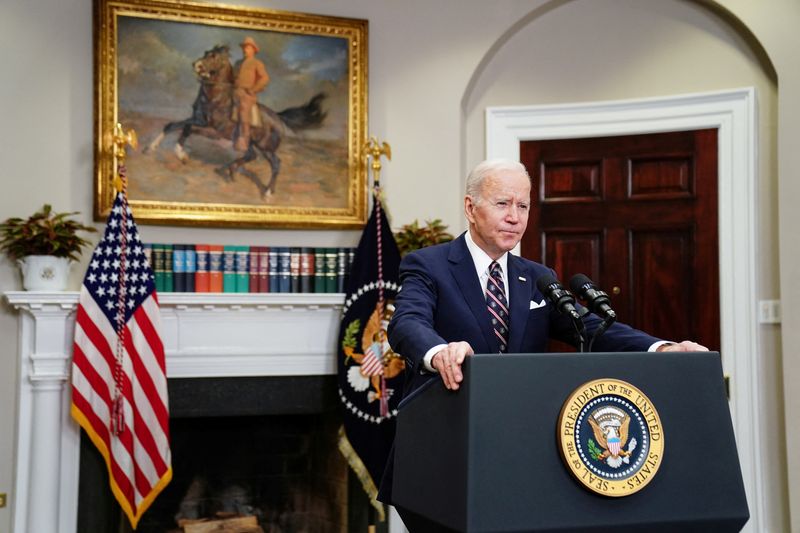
[(361, 471)]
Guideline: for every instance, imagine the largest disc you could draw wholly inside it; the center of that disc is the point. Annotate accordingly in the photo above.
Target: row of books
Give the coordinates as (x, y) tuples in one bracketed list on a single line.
[(231, 268)]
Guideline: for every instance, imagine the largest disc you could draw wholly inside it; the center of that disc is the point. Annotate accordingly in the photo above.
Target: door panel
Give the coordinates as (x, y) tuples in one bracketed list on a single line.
[(661, 273), (574, 250)]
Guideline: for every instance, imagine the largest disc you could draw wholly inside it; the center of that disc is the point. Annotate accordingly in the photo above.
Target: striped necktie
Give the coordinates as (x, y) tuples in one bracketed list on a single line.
[(497, 304)]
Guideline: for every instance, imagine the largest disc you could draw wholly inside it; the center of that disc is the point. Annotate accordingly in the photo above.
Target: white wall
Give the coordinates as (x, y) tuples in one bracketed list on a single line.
[(434, 66)]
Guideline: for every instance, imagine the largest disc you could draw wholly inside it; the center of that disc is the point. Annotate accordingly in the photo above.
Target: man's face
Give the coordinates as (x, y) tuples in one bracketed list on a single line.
[(248, 50), (499, 215)]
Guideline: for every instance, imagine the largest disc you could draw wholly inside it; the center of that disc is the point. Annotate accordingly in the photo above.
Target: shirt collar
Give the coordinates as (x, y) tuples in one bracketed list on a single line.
[(482, 260)]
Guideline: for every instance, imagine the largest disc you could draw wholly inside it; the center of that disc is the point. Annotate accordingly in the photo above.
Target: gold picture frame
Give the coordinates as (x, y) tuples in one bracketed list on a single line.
[(168, 69)]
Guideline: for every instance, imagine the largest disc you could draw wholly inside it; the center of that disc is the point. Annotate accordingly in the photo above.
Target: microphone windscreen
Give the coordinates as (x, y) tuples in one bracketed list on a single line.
[(544, 281), (577, 282)]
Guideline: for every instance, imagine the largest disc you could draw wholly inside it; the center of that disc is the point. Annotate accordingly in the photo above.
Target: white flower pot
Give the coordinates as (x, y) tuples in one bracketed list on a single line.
[(44, 272)]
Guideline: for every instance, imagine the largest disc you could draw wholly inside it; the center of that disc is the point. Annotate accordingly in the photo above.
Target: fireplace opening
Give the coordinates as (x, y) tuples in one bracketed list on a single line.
[(249, 455)]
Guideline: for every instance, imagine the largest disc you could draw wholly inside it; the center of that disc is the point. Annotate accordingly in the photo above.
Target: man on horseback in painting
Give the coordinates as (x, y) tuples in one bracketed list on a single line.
[(254, 128), (251, 79)]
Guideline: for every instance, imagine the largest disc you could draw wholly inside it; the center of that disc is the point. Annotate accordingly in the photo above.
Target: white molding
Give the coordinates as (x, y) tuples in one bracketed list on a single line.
[(68, 300), (733, 113), (204, 335), (220, 334)]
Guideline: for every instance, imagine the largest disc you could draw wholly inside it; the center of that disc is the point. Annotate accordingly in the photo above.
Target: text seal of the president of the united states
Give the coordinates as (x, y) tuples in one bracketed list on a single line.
[(611, 437)]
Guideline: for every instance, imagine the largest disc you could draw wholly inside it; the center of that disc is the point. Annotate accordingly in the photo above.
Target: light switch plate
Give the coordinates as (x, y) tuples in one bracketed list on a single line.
[(769, 311)]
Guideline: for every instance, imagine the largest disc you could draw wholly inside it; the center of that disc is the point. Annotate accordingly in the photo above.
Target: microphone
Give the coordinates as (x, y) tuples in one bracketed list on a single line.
[(596, 300), (558, 295)]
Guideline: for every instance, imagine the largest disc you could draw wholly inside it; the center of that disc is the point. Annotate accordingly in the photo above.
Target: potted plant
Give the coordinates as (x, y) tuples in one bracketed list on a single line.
[(43, 246), (413, 236)]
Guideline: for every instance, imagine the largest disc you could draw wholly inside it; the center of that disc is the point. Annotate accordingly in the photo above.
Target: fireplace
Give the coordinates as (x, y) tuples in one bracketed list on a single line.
[(259, 448), (242, 364)]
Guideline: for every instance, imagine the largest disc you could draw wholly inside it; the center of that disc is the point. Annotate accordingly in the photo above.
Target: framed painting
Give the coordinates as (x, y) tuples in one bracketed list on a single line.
[(244, 117)]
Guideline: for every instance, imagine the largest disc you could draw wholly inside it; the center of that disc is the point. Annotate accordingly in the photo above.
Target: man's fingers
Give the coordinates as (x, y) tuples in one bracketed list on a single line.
[(693, 346), (457, 375), (442, 364), (448, 362), (451, 373), (686, 346)]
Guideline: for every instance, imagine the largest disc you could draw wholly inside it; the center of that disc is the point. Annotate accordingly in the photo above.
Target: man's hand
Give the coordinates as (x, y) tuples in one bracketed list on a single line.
[(448, 362), (685, 346)]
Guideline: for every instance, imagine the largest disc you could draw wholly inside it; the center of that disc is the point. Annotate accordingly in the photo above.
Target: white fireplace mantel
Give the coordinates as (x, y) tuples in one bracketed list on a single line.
[(204, 335)]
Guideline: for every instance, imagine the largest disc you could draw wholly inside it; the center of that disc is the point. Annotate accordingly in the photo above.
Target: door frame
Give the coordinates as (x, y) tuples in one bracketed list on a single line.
[(733, 114)]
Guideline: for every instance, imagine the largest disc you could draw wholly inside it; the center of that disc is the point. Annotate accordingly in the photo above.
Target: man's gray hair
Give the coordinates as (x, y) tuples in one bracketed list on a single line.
[(488, 168)]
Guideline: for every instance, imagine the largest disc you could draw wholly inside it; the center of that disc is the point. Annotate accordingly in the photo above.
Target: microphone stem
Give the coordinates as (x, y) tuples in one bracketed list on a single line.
[(579, 333), (607, 321)]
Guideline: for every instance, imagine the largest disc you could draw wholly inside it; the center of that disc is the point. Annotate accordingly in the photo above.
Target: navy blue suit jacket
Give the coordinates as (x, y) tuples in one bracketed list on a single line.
[(442, 301)]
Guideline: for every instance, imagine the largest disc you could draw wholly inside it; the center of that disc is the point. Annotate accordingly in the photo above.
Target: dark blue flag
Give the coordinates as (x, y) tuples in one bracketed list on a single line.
[(370, 373)]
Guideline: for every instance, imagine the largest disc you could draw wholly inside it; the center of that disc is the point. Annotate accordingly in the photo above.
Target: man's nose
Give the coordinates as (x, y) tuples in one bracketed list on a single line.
[(512, 214)]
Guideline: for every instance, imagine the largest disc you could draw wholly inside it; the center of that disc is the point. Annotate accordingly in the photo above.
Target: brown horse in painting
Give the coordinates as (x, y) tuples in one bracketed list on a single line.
[(212, 116)]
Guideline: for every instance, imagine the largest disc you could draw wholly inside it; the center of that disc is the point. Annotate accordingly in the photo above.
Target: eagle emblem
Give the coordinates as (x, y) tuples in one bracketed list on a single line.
[(610, 427), (611, 437), (372, 361)]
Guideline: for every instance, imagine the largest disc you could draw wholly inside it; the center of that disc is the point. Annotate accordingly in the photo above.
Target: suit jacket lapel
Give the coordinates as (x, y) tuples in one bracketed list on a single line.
[(520, 294), (463, 270)]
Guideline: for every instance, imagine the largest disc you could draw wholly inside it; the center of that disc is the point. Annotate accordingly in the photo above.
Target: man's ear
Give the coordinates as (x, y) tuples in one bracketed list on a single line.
[(469, 208)]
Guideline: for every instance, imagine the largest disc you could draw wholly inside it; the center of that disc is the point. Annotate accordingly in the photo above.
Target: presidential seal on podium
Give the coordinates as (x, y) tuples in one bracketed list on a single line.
[(610, 437)]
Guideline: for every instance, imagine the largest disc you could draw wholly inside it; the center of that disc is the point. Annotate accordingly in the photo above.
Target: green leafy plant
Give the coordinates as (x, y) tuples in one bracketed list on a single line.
[(413, 236), (43, 233)]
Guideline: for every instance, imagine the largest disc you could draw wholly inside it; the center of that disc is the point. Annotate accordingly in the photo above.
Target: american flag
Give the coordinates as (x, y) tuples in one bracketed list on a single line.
[(119, 383)]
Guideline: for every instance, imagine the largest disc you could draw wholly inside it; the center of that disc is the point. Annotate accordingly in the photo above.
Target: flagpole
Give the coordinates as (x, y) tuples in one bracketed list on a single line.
[(120, 141), (374, 150)]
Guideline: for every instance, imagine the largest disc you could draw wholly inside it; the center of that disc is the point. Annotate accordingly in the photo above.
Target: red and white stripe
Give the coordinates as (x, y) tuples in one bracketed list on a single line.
[(614, 447), (138, 458), (371, 365)]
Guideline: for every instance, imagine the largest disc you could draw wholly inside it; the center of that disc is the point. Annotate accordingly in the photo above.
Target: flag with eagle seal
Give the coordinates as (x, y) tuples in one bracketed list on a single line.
[(370, 373)]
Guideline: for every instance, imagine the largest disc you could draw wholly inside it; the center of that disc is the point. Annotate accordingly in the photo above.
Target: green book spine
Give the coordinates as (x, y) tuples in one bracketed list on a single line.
[(158, 266), (331, 256), (242, 269), (319, 269), (169, 276), (229, 269)]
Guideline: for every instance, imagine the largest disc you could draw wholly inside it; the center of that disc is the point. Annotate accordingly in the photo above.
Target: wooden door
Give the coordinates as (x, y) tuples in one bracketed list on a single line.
[(638, 215)]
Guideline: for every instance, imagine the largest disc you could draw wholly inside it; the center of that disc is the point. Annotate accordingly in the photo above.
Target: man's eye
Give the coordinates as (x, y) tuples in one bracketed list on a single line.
[(523, 207), (501, 203)]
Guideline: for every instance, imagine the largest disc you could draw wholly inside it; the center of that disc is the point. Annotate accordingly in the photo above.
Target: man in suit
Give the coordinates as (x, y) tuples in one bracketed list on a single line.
[(441, 312), (472, 296)]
